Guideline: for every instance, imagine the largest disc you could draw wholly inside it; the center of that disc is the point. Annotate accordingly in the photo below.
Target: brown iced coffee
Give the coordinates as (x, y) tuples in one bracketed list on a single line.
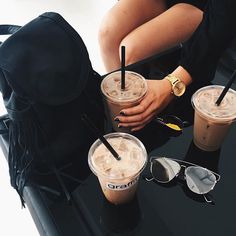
[(118, 179), (117, 99), (212, 122)]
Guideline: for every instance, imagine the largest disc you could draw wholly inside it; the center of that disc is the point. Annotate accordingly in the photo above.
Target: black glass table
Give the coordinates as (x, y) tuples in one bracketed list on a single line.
[(168, 209), (157, 209)]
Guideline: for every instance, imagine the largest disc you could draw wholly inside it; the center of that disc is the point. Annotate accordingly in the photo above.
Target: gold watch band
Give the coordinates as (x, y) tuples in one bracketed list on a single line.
[(177, 86), (173, 79)]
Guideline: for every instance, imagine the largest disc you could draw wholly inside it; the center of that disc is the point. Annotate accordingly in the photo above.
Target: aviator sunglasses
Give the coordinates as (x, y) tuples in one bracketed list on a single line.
[(199, 179)]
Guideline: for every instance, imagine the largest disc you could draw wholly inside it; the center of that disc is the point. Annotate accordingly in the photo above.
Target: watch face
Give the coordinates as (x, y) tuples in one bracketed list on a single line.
[(179, 88)]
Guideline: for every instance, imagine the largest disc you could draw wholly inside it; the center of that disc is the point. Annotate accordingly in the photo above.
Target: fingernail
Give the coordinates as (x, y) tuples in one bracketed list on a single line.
[(122, 113), (116, 119)]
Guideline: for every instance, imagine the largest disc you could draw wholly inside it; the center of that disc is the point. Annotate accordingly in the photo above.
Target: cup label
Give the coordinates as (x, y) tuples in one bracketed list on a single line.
[(117, 187)]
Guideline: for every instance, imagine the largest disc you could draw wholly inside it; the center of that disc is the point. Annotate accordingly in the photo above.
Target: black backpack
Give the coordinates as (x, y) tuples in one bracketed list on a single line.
[(47, 83)]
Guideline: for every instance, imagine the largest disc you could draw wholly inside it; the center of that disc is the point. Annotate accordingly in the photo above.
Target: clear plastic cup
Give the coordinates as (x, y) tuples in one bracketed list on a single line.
[(212, 122), (117, 99), (118, 179)]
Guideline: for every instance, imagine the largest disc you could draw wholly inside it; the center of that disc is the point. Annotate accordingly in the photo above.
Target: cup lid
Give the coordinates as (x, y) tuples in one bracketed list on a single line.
[(204, 101), (135, 87), (132, 162)]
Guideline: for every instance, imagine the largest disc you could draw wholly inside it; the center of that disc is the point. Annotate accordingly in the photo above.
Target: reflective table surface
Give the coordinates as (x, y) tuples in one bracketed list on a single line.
[(168, 209)]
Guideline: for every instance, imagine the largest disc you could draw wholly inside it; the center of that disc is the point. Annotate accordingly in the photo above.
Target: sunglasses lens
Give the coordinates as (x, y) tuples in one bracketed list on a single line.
[(200, 180), (164, 170)]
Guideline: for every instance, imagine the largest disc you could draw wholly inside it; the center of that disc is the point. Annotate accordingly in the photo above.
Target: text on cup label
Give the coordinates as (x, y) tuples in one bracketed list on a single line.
[(115, 186)]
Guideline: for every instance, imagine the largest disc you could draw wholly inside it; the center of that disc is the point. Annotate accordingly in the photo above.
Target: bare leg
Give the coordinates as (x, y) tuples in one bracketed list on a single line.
[(168, 29), (144, 30), (123, 18)]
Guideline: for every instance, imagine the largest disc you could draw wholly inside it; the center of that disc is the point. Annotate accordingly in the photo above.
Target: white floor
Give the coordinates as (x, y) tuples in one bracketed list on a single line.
[(84, 16)]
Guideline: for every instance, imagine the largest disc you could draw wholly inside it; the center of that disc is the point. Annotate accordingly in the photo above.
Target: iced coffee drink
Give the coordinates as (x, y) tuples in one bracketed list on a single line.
[(117, 99), (118, 178), (212, 122)]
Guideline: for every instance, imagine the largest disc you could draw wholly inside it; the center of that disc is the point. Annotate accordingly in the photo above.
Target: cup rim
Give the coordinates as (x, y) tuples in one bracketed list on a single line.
[(119, 101), (208, 115), (118, 134)]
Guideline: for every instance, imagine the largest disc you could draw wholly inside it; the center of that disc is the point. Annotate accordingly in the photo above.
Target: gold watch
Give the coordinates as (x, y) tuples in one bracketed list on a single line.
[(178, 87)]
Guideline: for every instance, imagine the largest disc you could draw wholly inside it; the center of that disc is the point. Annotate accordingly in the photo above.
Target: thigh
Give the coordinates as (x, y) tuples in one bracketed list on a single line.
[(126, 15), (173, 26)]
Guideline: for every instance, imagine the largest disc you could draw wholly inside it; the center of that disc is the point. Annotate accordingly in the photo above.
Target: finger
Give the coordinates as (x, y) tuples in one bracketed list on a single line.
[(137, 128), (141, 126), (137, 123), (140, 108), (142, 117)]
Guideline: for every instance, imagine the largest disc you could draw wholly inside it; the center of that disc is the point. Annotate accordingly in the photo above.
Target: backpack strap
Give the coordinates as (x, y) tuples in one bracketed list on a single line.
[(4, 124), (8, 29)]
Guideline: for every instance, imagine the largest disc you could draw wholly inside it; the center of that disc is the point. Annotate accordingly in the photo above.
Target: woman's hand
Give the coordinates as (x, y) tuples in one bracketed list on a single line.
[(157, 98)]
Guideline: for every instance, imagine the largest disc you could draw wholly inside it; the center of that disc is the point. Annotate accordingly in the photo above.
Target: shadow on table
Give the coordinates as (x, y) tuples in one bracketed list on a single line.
[(209, 160), (120, 218), (136, 218), (153, 136)]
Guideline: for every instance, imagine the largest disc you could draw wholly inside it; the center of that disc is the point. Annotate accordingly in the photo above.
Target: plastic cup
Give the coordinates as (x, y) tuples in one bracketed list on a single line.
[(118, 179), (212, 122), (117, 99)]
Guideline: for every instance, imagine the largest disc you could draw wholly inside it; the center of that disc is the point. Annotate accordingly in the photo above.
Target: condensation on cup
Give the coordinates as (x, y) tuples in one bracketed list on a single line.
[(212, 122), (118, 179), (117, 99)]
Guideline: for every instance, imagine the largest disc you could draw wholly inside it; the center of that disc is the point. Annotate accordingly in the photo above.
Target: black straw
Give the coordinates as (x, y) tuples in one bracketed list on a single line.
[(225, 90), (98, 133), (122, 67)]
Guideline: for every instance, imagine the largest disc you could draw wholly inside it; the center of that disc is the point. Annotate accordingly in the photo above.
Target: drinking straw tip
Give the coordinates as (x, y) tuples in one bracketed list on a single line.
[(98, 133), (226, 89)]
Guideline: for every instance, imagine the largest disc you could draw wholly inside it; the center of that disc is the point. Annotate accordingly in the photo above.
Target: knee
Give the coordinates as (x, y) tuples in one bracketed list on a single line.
[(107, 36), (103, 34)]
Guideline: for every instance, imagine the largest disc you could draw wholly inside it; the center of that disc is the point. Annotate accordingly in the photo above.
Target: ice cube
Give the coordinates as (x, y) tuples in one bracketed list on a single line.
[(107, 169), (116, 79), (123, 146), (99, 158), (115, 173), (133, 167), (127, 94), (134, 154), (113, 93)]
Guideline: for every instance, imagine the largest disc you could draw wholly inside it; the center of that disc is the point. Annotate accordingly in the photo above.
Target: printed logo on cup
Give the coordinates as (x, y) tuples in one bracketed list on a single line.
[(115, 186)]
